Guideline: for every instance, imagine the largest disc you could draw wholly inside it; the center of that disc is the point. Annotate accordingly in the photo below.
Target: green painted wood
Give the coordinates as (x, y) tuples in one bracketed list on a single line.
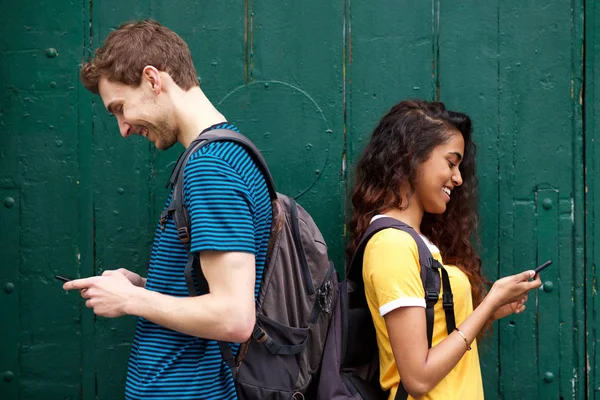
[(332, 70), (592, 196), (517, 333), (548, 300), (468, 82), (86, 223), (536, 103), (38, 106), (10, 291), (292, 106), (390, 57), (573, 380)]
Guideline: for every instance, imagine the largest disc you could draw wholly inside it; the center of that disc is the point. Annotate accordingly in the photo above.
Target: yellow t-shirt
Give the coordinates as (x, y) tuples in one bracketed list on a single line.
[(391, 273)]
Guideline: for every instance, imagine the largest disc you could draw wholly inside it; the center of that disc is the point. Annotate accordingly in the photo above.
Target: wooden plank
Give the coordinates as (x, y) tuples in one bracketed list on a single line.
[(87, 236), (536, 69), (37, 119), (292, 107), (592, 195), (472, 87), (390, 58), (573, 347), (549, 299), (517, 333), (10, 269)]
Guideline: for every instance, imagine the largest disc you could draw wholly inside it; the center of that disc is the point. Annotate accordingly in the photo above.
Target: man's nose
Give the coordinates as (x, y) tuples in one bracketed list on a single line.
[(125, 128)]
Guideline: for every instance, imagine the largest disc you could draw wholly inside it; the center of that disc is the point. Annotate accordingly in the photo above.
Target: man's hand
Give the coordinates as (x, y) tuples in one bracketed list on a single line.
[(133, 277), (108, 295)]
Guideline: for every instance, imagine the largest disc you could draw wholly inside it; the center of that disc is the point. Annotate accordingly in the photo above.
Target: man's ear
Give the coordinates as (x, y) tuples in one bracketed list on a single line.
[(151, 77)]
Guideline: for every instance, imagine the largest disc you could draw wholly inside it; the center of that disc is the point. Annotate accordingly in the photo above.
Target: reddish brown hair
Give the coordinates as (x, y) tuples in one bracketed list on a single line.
[(134, 45), (403, 140)]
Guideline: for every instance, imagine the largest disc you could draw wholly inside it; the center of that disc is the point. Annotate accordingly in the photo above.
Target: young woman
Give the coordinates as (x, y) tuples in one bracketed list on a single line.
[(419, 168)]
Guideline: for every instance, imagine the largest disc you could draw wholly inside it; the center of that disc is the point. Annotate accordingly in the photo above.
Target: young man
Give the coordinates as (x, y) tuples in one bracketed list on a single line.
[(145, 76)]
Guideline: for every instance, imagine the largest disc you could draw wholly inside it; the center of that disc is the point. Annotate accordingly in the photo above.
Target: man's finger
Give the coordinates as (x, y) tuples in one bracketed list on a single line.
[(79, 284)]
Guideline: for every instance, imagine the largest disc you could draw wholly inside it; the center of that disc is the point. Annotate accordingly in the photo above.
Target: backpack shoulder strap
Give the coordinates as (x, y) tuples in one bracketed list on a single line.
[(226, 135), (429, 275), (177, 208)]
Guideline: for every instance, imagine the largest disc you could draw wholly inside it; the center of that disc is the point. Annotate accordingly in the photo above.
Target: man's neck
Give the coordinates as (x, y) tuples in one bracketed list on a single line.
[(193, 114)]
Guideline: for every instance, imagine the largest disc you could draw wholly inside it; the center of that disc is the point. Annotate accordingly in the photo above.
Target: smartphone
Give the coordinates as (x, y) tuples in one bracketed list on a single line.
[(63, 278), (543, 267)]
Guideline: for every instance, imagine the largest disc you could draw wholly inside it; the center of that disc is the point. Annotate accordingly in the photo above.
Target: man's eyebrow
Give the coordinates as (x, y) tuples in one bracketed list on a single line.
[(457, 154)]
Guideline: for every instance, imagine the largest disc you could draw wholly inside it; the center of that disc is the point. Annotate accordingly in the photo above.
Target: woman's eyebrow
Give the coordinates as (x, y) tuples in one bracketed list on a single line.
[(457, 154)]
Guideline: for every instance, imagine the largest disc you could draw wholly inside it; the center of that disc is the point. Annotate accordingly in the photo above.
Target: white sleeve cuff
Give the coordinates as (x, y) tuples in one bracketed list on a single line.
[(404, 302)]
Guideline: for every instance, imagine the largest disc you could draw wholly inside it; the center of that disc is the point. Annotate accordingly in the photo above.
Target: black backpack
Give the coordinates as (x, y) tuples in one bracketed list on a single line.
[(282, 357), (350, 366)]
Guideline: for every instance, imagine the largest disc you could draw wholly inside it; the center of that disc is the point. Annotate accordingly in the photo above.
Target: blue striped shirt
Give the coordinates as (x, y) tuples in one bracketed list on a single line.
[(230, 210)]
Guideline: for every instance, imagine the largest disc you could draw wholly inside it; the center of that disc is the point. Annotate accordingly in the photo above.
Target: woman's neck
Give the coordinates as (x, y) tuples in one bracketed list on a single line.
[(411, 216)]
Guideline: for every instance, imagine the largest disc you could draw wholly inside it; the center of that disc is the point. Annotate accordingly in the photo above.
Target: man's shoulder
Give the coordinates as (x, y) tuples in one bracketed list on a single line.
[(221, 152)]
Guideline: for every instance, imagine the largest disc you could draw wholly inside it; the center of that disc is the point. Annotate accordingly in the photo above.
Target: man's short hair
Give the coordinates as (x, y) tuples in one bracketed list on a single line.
[(134, 45)]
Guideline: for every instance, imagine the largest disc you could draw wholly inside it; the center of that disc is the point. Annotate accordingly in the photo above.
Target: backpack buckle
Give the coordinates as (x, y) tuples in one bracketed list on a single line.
[(163, 219), (448, 301), (183, 234), (259, 335), (431, 297), (324, 297)]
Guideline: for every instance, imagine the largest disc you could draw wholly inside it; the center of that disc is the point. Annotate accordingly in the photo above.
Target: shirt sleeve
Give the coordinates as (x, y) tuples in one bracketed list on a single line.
[(391, 271), (219, 204)]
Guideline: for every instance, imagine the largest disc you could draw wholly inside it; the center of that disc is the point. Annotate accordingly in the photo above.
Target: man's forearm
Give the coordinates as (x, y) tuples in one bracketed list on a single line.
[(206, 316)]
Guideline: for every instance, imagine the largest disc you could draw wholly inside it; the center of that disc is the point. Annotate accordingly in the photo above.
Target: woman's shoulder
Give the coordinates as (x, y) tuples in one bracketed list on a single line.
[(391, 239)]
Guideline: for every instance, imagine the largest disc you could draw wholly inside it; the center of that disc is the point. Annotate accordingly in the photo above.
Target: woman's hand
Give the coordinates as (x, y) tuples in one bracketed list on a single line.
[(508, 295), (515, 307)]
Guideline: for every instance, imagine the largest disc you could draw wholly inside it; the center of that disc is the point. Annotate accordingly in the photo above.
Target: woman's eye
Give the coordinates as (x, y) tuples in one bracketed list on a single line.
[(451, 164)]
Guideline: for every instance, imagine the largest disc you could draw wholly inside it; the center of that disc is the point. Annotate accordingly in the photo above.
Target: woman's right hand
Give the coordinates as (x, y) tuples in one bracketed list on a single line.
[(512, 288)]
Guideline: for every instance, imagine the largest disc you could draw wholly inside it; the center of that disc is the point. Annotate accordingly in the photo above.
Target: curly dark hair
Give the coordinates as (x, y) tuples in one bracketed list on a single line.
[(404, 139)]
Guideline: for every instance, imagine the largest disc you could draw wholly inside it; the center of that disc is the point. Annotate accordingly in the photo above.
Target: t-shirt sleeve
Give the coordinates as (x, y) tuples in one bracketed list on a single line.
[(219, 204), (391, 271)]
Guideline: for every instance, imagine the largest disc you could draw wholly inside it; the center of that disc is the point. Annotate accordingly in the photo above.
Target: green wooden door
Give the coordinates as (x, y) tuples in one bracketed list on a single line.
[(307, 82), (592, 194)]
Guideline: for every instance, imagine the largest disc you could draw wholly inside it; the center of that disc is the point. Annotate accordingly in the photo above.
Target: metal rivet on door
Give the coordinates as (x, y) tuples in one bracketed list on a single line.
[(8, 376), (9, 288), (548, 287), (51, 52)]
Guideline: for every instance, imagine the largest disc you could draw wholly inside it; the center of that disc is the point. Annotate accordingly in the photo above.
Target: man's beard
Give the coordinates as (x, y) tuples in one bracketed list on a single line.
[(165, 135)]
